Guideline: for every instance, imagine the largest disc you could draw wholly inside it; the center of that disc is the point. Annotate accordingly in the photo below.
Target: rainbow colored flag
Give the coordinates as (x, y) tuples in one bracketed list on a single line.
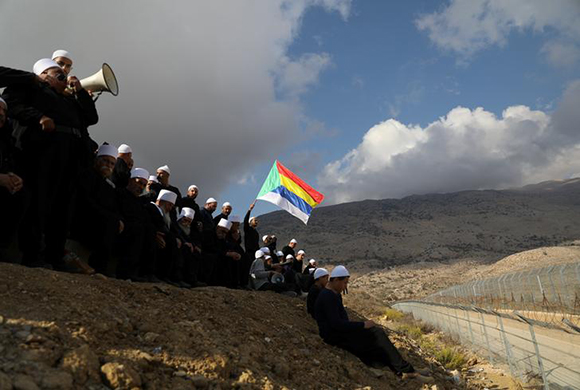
[(287, 191)]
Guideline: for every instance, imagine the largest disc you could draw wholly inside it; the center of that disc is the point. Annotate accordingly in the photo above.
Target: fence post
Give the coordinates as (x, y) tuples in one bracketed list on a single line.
[(506, 343), (537, 350), (457, 318), (469, 325), (484, 329)]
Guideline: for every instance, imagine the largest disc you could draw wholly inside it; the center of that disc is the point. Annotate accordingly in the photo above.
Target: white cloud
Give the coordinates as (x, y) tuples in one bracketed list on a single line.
[(201, 82), (561, 54), (467, 26), (465, 149)]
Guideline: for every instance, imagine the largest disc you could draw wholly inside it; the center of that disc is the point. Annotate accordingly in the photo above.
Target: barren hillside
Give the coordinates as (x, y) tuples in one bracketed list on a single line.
[(479, 225)]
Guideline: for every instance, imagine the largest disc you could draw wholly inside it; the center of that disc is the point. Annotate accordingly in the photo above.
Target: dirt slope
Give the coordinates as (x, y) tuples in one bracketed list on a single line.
[(63, 331)]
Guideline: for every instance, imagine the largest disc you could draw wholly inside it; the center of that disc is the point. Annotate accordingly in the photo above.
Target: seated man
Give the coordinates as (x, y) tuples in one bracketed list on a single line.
[(320, 281), (310, 267), (364, 339), (260, 277), (98, 222), (191, 252), (12, 198), (123, 166), (289, 249)]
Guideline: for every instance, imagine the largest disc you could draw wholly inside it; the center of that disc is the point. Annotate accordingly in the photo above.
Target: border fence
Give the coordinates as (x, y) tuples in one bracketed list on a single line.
[(528, 321)]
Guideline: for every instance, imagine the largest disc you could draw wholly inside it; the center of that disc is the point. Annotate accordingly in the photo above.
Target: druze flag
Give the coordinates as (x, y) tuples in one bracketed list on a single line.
[(286, 190)]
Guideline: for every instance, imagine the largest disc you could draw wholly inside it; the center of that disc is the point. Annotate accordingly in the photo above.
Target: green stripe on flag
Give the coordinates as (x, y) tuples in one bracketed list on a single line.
[(272, 181)]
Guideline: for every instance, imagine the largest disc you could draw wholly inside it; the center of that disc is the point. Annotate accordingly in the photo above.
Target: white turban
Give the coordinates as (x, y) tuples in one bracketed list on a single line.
[(289, 257), (339, 272), (165, 168), (210, 200), (153, 178), (279, 253), (312, 261), (192, 187), (42, 65), (225, 223), (61, 53), (265, 249), (226, 204), (320, 272), (187, 212), (107, 150), (167, 196), (259, 254), (265, 237), (301, 252), (140, 173), (293, 241), (124, 148)]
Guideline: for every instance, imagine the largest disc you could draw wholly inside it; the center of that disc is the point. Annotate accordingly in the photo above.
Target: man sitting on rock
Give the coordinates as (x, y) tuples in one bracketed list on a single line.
[(260, 277), (320, 280), (363, 339)]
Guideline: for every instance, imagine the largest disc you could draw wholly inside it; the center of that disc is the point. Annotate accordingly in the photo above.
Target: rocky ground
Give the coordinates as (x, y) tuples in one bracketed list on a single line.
[(64, 331)]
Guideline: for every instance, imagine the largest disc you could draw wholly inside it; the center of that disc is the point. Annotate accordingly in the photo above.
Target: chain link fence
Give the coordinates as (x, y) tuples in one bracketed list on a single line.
[(550, 295), (548, 356)]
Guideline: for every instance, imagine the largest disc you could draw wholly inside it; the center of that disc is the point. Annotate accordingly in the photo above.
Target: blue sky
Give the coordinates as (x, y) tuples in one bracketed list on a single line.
[(363, 99), (384, 67)]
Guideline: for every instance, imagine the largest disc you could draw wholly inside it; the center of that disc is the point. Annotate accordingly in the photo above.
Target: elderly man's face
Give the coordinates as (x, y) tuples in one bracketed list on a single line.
[(163, 177), (221, 233), (55, 77), (193, 193), (254, 222), (211, 207), (2, 114), (165, 205), (128, 158), (227, 210), (185, 221), (105, 165), (64, 63), (136, 185), (292, 245)]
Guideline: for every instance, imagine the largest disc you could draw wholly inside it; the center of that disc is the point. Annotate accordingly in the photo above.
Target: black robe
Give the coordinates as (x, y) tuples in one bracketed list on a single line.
[(251, 236), (52, 161), (121, 173)]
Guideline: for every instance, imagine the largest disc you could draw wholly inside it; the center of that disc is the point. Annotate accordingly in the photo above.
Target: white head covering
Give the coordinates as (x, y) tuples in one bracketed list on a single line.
[(42, 65), (279, 253), (210, 200), (293, 241), (339, 272), (259, 254), (320, 272), (267, 257), (191, 187), (226, 204), (264, 237), (265, 249), (4, 101), (107, 150), (153, 178), (139, 172), (165, 168), (312, 261), (167, 196), (301, 252), (124, 148), (61, 53), (225, 223), (187, 212), (235, 219), (289, 257)]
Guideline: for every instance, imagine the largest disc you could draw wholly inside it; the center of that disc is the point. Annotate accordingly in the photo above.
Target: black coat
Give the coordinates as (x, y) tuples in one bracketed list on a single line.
[(251, 236), (187, 201), (218, 218), (121, 174)]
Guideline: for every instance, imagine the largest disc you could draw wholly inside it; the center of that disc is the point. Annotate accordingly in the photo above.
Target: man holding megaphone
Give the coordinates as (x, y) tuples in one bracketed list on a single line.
[(56, 148)]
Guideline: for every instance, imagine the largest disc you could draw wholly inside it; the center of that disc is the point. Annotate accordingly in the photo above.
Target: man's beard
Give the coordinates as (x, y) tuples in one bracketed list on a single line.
[(186, 229)]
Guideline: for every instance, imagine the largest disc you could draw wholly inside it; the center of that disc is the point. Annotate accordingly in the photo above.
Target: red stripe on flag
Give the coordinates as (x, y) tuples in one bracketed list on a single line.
[(317, 196)]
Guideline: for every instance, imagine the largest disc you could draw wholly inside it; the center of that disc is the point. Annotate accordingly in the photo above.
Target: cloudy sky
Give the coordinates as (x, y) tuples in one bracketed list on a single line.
[(363, 99)]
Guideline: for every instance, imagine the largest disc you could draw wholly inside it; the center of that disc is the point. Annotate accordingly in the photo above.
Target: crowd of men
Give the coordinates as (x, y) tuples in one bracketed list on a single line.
[(57, 184)]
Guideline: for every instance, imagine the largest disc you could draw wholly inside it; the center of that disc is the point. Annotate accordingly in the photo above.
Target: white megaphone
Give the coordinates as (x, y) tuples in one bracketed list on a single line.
[(102, 81)]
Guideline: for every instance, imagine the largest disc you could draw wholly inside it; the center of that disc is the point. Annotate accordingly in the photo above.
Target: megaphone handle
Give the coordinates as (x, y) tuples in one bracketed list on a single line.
[(97, 96)]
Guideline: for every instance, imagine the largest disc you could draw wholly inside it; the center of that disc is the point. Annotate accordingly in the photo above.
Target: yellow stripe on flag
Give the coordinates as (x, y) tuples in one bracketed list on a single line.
[(295, 188)]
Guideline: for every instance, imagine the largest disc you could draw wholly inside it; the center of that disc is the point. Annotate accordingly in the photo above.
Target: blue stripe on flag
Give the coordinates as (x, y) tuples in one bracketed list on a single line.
[(294, 199)]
